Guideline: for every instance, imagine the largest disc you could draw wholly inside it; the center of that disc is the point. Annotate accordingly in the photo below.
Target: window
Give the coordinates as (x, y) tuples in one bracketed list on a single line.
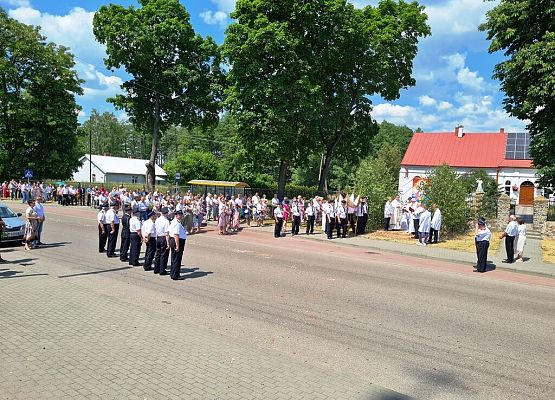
[(507, 187), (134, 179), (518, 146)]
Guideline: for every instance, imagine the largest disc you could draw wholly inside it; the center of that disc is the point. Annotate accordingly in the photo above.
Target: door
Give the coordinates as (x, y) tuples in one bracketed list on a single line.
[(526, 196)]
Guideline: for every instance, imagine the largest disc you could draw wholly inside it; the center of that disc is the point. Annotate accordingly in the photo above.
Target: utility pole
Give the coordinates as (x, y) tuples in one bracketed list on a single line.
[(90, 152)]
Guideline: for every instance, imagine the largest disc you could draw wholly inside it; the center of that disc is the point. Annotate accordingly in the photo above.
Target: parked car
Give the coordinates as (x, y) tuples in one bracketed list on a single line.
[(14, 225)]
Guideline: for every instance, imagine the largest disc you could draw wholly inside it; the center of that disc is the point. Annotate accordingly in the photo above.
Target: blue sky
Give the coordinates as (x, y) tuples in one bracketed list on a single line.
[(453, 68)]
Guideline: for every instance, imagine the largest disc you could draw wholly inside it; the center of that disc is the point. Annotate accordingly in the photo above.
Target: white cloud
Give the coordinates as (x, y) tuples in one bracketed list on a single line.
[(455, 61), (214, 18), (81, 114), (73, 30), (17, 3), (427, 101), (387, 110), (226, 6), (470, 79), (456, 17), (444, 105)]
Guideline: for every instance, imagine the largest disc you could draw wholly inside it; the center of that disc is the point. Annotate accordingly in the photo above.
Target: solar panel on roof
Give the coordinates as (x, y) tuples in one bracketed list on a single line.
[(518, 146)]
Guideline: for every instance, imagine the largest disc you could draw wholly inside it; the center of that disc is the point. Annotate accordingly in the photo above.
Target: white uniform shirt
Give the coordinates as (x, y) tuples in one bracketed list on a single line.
[(101, 217), (134, 224), (309, 210), (295, 210), (483, 234), (112, 216), (512, 229), (278, 212), (341, 212), (39, 209), (162, 226), (176, 228), (149, 228)]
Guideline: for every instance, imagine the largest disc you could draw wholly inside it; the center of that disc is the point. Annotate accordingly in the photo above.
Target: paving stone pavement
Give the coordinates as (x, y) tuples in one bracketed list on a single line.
[(62, 341)]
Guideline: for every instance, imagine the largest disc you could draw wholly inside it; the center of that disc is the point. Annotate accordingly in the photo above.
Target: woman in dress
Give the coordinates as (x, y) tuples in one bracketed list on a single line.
[(521, 240), (236, 214), (221, 217), (286, 212), (248, 211), (31, 225)]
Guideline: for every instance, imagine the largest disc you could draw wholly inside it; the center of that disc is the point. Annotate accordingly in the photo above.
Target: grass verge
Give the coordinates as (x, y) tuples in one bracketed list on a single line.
[(548, 247)]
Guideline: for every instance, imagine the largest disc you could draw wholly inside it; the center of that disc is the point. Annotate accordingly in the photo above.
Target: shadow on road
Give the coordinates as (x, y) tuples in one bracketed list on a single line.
[(6, 274), (490, 266), (49, 245), (95, 272), (194, 273)]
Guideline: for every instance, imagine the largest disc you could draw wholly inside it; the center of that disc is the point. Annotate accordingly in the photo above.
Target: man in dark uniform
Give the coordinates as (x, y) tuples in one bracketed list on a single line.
[(136, 238), (178, 235), (149, 237), (102, 228), (125, 234), (482, 238)]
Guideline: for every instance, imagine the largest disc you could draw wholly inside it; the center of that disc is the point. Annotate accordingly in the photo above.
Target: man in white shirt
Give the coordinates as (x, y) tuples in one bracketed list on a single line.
[(162, 243), (275, 202), (149, 237), (39, 209), (102, 228), (511, 232), (387, 213), (342, 219), (278, 217), (310, 217), (362, 216), (178, 236), (112, 220), (296, 224), (482, 238), (435, 225), (330, 218), (136, 238)]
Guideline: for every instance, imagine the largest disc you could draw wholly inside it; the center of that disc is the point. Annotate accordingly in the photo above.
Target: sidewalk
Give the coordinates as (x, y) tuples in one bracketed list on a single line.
[(533, 254)]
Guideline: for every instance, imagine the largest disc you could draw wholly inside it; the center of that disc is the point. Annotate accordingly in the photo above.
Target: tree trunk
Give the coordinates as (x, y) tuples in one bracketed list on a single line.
[(282, 178), (150, 166), (323, 184)]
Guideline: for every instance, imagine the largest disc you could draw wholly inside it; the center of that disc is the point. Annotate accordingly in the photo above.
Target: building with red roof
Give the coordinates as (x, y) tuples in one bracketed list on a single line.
[(504, 156)]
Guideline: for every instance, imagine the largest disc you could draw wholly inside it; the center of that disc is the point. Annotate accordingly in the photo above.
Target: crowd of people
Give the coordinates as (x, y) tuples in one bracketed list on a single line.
[(64, 194)]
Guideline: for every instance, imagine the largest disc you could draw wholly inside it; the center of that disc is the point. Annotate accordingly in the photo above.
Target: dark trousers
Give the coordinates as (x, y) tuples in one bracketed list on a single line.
[(149, 253), (330, 226), (482, 253), (65, 201), (360, 225), (124, 246), (112, 240), (510, 248), (386, 223), (352, 222), (296, 224), (434, 233), (102, 237), (162, 255), (310, 224), (277, 227), (342, 227), (416, 226), (177, 256), (135, 250)]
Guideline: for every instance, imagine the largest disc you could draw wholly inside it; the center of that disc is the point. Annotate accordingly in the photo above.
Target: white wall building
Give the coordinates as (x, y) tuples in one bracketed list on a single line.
[(115, 170), (504, 157)]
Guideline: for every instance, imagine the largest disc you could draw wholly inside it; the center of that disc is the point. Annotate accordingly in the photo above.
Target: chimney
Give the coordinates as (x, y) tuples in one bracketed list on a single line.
[(107, 154), (502, 131), (459, 131)]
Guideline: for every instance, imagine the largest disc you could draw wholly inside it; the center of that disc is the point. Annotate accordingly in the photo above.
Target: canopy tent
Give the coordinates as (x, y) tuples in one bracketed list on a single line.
[(225, 187)]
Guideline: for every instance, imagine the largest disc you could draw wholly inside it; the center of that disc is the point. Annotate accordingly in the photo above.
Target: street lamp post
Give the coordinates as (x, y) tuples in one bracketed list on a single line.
[(90, 153)]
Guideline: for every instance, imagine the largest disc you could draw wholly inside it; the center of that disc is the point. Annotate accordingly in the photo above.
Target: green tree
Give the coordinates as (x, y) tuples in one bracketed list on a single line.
[(38, 111), (490, 187), (193, 164), (104, 133), (176, 74), (525, 31), (378, 178), (302, 72), (449, 191), (391, 135)]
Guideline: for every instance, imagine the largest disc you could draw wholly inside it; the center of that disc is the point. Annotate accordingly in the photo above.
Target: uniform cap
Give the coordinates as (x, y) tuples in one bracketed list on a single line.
[(150, 214), (105, 205), (481, 221), (127, 207), (114, 204), (164, 210), (179, 212)]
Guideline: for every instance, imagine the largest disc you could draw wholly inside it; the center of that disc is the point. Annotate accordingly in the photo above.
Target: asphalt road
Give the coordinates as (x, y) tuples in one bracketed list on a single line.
[(425, 328)]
